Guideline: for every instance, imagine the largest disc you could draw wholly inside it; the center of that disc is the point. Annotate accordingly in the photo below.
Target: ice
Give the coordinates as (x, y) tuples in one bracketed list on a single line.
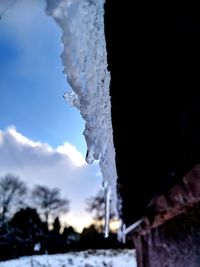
[(107, 210), (85, 62), (123, 231), (72, 99), (121, 236), (90, 156)]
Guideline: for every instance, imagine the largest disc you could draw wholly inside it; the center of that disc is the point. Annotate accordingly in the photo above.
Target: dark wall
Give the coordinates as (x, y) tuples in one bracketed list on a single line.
[(174, 244), (154, 59)]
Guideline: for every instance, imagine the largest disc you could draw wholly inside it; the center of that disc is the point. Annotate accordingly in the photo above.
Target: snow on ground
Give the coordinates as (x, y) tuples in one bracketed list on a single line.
[(99, 258)]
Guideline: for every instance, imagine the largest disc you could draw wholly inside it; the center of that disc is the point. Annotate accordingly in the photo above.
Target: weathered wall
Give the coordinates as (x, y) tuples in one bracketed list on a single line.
[(170, 233), (174, 244)]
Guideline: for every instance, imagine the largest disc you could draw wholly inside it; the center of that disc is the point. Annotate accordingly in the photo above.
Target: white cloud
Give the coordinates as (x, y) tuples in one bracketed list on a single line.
[(21, 138), (63, 167), (72, 152)]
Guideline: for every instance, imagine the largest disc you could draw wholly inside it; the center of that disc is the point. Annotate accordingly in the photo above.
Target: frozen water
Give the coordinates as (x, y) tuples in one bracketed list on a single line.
[(85, 62), (72, 99), (107, 211)]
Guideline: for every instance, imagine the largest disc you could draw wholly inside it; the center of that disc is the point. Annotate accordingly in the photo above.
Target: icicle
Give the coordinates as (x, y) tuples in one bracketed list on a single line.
[(72, 99), (107, 211), (85, 63), (121, 237), (90, 156), (123, 231)]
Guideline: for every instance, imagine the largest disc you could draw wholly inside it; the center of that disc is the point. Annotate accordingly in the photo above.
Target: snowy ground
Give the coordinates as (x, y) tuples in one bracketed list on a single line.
[(101, 258)]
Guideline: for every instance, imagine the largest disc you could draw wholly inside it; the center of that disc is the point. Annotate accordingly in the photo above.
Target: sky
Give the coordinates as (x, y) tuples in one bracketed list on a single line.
[(41, 138)]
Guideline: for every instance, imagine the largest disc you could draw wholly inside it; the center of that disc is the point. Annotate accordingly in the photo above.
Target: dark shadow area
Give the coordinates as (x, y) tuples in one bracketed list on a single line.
[(153, 56), (175, 243)]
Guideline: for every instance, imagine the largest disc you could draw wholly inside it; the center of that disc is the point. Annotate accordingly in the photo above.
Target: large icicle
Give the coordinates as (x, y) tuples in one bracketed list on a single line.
[(85, 61)]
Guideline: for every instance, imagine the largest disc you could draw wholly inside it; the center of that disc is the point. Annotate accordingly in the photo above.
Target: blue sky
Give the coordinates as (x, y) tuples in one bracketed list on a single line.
[(31, 79), (40, 134)]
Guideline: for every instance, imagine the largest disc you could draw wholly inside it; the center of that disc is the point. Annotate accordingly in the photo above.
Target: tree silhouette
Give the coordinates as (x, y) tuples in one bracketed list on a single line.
[(12, 192), (96, 206), (49, 202), (28, 230), (56, 226)]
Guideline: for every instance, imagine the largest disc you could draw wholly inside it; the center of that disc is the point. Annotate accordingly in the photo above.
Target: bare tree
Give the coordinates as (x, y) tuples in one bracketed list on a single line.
[(49, 202), (96, 206), (12, 192)]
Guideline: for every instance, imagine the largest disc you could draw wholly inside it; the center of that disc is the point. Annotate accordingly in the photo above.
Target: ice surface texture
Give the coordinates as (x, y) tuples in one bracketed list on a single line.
[(85, 63)]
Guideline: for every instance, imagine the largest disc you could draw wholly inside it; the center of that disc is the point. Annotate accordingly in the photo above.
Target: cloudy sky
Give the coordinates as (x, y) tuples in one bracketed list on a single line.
[(41, 137)]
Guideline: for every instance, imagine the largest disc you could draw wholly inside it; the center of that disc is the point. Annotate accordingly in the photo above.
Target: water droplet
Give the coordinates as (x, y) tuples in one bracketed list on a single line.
[(71, 98), (89, 156)]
